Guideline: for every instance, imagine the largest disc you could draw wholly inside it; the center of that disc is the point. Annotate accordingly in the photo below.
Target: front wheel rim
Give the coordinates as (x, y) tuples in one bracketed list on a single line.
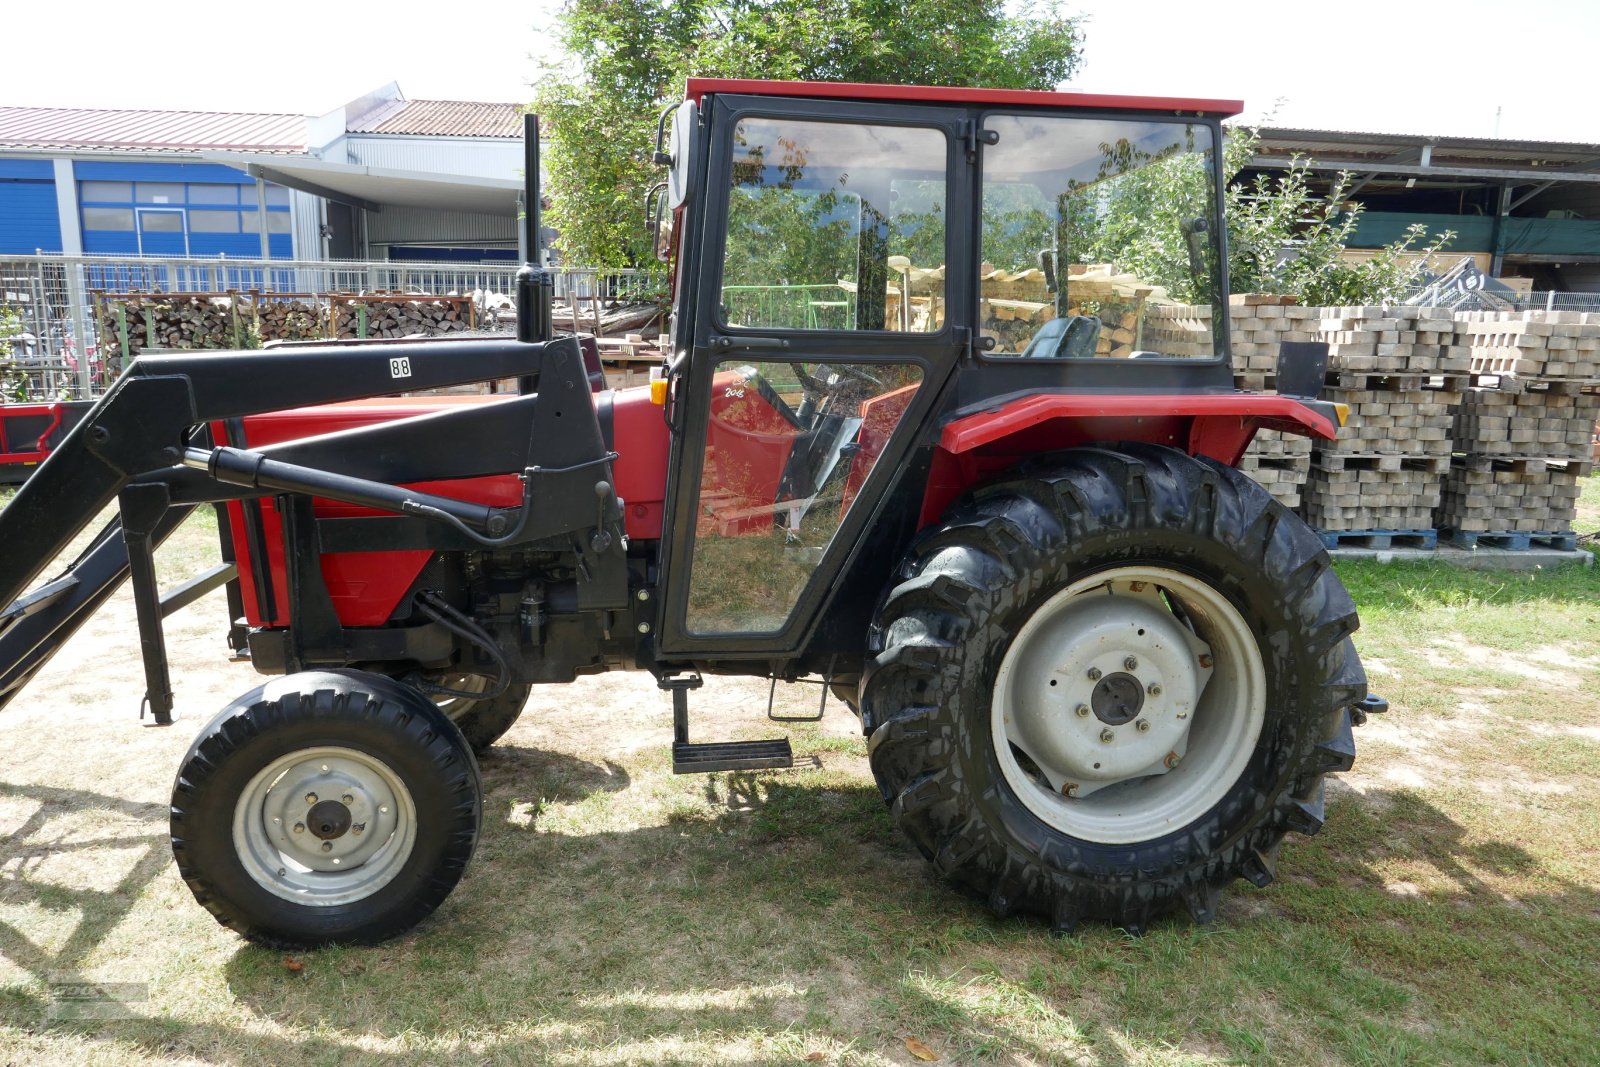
[(324, 826), (1128, 704)]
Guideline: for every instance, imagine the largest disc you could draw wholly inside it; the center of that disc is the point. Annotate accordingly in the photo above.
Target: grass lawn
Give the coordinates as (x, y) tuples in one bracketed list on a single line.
[(615, 914)]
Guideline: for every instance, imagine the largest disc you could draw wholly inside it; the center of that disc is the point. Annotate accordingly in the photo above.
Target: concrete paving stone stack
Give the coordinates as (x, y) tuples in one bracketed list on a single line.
[(1277, 461), (1523, 431), (1383, 474)]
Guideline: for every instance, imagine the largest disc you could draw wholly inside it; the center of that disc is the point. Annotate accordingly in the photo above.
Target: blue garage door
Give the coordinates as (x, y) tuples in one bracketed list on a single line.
[(28, 219)]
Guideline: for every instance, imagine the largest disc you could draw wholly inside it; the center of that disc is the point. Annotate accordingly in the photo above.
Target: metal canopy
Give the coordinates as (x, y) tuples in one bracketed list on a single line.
[(1450, 160), (373, 188)]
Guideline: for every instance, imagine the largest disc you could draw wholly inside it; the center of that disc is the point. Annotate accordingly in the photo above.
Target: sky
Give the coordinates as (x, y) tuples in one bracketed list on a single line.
[(1519, 70)]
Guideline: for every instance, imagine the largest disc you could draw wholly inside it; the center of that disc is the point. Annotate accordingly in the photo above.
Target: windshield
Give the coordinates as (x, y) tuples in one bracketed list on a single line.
[(1099, 239)]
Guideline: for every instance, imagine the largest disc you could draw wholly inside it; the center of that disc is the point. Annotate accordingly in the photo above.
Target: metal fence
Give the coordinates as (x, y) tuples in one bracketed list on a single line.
[(54, 345)]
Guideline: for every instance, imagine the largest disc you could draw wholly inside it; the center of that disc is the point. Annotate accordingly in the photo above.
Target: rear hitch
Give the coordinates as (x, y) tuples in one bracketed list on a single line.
[(1371, 704)]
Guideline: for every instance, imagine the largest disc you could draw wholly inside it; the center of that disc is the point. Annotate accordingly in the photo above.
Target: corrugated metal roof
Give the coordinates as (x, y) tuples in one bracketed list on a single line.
[(160, 131), (1378, 148), (441, 118)]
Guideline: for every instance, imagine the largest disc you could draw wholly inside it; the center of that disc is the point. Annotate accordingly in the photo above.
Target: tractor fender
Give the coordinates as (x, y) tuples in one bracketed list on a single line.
[(976, 445)]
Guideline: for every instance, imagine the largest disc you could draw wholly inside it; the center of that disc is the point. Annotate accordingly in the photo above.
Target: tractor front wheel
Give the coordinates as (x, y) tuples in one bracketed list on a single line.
[(330, 806), (1109, 687)]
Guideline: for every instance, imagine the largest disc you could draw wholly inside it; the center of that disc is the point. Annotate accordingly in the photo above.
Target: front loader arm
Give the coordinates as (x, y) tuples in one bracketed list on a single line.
[(141, 424), (132, 445)]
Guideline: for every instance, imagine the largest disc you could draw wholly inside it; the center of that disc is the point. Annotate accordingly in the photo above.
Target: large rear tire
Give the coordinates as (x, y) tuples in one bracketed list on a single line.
[(330, 806), (1108, 687), (482, 721)]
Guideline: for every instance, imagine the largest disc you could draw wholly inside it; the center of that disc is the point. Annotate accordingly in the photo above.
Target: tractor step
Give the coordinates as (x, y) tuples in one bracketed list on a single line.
[(691, 758), (706, 757)]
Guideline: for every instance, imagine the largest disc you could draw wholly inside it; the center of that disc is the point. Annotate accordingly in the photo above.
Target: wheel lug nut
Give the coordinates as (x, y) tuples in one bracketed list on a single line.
[(1155, 689), (1082, 710), (311, 798), (327, 846), (348, 799), (1143, 726), (1094, 674), (299, 827), (1107, 736), (1131, 663)]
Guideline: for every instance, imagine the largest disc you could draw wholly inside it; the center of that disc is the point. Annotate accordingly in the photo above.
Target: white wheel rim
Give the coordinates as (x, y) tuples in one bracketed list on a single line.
[(1097, 762), (324, 826), (455, 707)]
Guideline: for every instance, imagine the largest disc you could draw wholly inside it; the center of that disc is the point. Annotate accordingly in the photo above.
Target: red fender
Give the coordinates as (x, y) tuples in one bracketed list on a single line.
[(1220, 425)]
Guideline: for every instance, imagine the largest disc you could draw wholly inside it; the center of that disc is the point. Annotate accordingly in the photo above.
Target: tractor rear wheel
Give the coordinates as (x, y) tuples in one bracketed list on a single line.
[(329, 806), (481, 721), (1108, 687)]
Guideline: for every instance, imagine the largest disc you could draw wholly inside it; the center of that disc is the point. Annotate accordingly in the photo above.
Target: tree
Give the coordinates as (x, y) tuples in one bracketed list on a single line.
[(627, 61), (1282, 237)]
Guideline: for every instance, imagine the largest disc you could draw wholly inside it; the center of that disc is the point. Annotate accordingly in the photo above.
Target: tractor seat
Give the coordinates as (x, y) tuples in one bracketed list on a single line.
[(1073, 337)]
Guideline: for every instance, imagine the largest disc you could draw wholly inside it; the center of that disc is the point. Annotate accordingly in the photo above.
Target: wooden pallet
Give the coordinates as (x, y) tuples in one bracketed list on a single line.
[(1423, 539), (1511, 542), (1377, 461)]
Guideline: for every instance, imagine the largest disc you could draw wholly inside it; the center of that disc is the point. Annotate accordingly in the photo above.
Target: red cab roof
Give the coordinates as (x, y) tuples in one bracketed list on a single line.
[(927, 94)]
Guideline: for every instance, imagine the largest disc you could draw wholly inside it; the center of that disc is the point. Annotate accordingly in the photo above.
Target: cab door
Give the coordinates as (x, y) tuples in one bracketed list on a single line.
[(827, 316)]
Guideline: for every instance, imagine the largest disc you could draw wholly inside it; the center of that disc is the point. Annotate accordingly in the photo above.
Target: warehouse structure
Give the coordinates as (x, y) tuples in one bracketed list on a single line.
[(381, 177), (1527, 211)]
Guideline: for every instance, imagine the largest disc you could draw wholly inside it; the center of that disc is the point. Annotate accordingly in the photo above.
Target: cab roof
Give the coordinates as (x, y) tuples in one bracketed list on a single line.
[(927, 94)]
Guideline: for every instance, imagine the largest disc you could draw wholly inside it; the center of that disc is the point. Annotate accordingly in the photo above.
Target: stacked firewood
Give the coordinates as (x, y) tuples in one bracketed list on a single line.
[(400, 316), (291, 320), (175, 322)]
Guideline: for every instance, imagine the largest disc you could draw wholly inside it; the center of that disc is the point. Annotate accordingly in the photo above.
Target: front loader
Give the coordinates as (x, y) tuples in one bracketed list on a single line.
[(910, 442)]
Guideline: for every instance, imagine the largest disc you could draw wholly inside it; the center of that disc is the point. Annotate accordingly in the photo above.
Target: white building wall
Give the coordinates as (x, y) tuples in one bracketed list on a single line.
[(306, 226), (472, 157)]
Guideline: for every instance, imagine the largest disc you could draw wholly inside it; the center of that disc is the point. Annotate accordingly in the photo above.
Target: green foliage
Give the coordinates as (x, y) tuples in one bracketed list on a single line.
[(628, 59), (13, 383), (1282, 237), (1271, 216)]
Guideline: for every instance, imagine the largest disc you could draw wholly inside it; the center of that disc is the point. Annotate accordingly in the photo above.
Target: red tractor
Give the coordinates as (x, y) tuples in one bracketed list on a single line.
[(908, 444)]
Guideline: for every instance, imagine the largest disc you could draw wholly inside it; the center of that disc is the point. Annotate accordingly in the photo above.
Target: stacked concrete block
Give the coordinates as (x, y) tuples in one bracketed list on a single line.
[(1260, 324), (1381, 477), (1277, 461), (1530, 345), (1523, 432)]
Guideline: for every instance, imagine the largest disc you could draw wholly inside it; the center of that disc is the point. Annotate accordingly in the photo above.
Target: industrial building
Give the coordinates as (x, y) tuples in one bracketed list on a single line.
[(379, 178), (1527, 212)]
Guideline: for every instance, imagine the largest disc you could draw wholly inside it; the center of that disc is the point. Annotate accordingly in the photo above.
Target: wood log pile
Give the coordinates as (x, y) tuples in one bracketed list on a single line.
[(297, 319), (400, 316), (183, 322)]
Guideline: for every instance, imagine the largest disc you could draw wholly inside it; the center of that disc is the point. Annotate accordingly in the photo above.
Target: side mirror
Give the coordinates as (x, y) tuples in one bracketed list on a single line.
[(658, 220)]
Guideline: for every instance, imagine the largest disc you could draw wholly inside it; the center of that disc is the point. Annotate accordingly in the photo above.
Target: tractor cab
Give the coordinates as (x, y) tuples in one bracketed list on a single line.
[(856, 266)]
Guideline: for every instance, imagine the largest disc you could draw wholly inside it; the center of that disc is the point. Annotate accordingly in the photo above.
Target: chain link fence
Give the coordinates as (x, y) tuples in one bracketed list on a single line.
[(49, 302)]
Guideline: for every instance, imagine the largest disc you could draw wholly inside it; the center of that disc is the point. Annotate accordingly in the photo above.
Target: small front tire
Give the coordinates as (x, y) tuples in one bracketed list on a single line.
[(324, 807)]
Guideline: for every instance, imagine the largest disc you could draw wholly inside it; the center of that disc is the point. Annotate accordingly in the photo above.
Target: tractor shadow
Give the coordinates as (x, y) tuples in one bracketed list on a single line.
[(789, 906), (55, 841), (779, 905)]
